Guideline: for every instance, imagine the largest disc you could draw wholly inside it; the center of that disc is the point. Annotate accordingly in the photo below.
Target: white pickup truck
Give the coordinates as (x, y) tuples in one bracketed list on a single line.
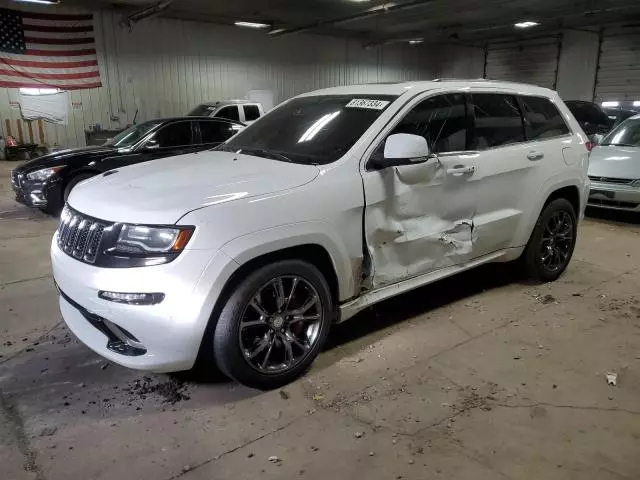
[(243, 111)]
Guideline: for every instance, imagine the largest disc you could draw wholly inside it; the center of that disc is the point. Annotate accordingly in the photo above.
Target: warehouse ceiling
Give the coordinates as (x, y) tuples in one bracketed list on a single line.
[(383, 21)]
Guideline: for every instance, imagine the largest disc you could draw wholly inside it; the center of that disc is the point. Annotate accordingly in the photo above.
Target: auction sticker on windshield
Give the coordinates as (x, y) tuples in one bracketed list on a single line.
[(365, 103)]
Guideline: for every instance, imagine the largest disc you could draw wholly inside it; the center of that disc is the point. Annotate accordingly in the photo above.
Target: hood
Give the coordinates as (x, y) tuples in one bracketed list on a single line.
[(615, 162), (163, 191), (65, 157)]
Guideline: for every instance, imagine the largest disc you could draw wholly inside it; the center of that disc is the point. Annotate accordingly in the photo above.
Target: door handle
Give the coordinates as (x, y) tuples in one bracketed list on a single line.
[(533, 156), (459, 170)]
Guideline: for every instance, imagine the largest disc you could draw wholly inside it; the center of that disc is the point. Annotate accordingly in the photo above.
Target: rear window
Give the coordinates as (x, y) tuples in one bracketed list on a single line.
[(230, 112), (588, 113), (542, 118)]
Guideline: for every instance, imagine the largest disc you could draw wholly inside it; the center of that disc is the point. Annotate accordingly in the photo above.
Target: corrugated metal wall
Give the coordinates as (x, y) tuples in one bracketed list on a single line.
[(619, 66), (165, 67), (529, 61)]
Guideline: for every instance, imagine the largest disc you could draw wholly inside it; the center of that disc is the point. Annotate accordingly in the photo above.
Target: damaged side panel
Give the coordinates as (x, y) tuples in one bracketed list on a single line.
[(417, 221)]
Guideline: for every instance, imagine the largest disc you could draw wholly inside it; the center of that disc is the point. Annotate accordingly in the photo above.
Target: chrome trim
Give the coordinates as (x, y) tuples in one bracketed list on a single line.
[(79, 236)]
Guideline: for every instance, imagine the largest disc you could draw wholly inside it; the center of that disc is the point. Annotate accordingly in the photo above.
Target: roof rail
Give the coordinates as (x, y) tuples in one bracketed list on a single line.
[(453, 79), (474, 80)]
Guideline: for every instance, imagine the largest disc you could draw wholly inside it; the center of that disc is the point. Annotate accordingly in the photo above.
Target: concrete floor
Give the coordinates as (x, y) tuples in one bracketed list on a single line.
[(476, 377)]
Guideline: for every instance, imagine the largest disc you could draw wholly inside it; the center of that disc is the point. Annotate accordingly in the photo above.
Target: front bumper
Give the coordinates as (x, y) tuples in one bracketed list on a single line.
[(169, 333), (614, 196), (46, 194)]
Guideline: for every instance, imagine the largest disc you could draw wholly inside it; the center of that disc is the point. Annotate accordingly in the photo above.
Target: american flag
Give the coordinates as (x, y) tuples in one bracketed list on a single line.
[(42, 50)]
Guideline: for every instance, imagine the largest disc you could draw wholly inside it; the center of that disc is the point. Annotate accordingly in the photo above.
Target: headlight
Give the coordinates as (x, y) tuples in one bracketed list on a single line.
[(43, 174), (138, 240)]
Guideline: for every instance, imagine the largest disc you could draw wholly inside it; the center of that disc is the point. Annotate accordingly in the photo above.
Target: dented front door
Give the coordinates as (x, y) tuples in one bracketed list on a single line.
[(420, 218)]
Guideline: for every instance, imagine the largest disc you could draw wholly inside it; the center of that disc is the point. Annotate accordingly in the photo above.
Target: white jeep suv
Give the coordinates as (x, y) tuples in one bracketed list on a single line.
[(335, 200)]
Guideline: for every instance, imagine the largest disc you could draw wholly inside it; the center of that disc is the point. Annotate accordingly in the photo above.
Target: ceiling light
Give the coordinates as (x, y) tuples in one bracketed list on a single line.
[(611, 104), (527, 24), (46, 2), (416, 41), (251, 24)]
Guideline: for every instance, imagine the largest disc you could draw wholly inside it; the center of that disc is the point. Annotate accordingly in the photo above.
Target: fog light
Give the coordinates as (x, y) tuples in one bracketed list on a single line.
[(132, 298), (37, 198)]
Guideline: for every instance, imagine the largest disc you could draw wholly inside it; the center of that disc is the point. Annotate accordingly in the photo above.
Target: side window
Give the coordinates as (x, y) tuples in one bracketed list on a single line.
[(251, 112), (498, 121), (542, 118), (174, 135), (230, 112), (215, 132), (442, 120)]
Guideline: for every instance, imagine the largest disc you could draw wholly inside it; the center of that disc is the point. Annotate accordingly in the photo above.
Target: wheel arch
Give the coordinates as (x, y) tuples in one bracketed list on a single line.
[(567, 189), (248, 260), (315, 242)]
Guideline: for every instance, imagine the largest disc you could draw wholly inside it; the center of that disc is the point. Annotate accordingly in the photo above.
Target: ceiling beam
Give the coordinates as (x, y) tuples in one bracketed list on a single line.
[(550, 21), (382, 9)]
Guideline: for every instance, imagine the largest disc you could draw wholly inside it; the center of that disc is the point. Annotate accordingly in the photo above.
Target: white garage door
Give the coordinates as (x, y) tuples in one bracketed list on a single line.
[(528, 61), (619, 67)]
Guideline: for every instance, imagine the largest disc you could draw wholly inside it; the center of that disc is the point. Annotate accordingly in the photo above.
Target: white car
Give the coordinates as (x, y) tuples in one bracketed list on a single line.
[(614, 168), (332, 202)]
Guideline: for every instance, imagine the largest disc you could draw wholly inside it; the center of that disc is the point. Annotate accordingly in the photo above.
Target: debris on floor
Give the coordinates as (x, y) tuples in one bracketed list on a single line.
[(48, 431), (172, 391), (274, 459), (612, 379), (547, 299)]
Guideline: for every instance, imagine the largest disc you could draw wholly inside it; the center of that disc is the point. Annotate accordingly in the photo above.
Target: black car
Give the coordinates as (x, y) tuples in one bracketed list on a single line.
[(591, 117), (618, 115), (46, 182)]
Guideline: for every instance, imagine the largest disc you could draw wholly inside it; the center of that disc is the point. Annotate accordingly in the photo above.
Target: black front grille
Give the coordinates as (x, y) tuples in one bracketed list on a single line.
[(79, 235), (617, 181)]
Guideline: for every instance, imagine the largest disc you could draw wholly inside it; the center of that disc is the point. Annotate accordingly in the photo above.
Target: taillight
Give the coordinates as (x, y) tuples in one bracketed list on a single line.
[(589, 146)]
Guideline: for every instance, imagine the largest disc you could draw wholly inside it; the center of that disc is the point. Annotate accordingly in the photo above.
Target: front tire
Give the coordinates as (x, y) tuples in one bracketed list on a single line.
[(274, 324), (552, 242)]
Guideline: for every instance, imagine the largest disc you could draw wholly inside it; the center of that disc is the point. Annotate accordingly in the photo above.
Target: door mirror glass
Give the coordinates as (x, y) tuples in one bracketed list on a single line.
[(403, 149)]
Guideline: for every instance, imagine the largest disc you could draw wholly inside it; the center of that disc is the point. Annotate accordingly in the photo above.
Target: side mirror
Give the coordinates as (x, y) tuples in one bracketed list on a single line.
[(403, 149), (152, 145)]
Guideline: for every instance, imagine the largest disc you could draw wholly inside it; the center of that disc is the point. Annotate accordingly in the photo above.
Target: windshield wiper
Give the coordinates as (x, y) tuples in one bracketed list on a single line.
[(262, 152), (619, 145)]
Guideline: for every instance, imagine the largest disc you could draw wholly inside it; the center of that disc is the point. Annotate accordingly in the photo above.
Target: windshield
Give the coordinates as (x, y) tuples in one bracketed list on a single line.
[(202, 110), (311, 130), (627, 134), (132, 135)]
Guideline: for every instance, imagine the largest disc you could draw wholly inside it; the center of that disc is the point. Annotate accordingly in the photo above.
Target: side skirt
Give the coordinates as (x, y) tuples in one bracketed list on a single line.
[(352, 307)]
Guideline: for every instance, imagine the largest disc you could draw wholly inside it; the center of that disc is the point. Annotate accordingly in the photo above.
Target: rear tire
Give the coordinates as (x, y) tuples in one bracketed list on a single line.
[(552, 242), (273, 324)]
